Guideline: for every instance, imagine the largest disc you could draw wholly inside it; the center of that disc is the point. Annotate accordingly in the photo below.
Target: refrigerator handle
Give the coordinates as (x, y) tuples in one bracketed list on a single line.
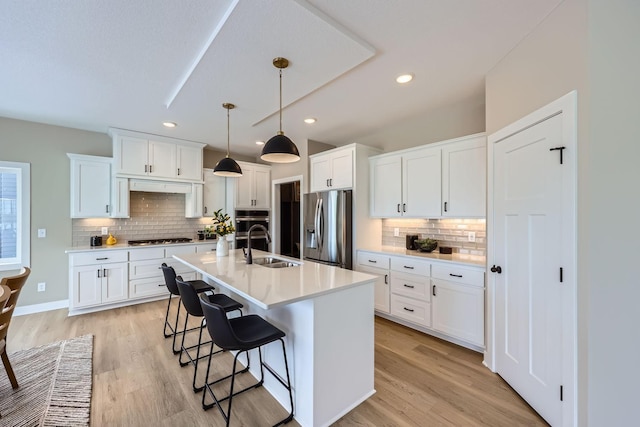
[(319, 230), (343, 240)]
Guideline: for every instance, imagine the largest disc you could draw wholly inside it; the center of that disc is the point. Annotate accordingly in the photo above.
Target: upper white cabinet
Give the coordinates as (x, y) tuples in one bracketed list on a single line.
[(464, 184), (214, 196), (445, 179), (253, 189), (90, 186), (154, 157), (406, 185), (332, 170)]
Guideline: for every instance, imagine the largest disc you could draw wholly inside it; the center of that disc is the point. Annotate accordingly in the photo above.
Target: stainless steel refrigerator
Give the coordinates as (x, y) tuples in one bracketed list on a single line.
[(327, 228)]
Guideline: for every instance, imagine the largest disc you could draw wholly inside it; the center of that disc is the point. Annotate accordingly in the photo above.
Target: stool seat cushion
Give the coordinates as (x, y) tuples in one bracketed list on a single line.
[(253, 331), (200, 285)]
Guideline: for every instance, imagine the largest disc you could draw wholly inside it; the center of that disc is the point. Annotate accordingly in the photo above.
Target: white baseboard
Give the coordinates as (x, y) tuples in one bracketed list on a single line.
[(39, 308)]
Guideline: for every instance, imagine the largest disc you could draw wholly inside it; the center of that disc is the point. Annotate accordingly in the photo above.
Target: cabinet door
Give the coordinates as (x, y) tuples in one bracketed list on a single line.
[(320, 173), (244, 188), (189, 163), (421, 183), (341, 170), (214, 195), (87, 286), (262, 186), (464, 178), (381, 286), (115, 283), (193, 204), (134, 156), (162, 160), (91, 189), (458, 310), (386, 187), (120, 198)]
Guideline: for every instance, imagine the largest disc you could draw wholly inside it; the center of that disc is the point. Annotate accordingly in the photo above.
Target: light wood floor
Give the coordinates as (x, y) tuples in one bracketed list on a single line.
[(420, 380)]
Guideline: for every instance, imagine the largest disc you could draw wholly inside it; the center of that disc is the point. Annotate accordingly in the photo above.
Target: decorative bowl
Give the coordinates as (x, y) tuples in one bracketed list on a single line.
[(426, 245)]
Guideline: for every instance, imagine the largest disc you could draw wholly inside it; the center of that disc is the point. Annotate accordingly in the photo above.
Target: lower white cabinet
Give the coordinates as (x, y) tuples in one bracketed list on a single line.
[(443, 298), (101, 278), (458, 303), (376, 265), (98, 278)]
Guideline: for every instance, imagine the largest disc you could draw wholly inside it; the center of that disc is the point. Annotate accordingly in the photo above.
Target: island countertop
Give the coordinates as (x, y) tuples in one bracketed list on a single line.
[(271, 287)]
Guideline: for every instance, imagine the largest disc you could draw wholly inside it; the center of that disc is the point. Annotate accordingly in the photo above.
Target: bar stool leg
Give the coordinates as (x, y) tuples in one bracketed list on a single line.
[(166, 320)]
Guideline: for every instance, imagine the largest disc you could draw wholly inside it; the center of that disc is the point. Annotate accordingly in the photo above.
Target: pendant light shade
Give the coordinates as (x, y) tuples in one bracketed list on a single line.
[(280, 149), (227, 167)]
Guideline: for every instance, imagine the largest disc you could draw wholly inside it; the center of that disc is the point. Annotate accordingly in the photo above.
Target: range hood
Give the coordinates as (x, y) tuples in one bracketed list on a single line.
[(160, 186)]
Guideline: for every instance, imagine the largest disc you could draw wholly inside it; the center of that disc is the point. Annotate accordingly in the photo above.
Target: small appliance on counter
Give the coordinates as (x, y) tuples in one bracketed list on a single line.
[(411, 239), (95, 241)]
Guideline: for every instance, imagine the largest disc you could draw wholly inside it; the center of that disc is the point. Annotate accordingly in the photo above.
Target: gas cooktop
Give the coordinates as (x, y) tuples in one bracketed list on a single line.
[(163, 241)]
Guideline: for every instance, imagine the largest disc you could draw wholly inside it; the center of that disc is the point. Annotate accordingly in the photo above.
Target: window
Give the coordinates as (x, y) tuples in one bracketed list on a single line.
[(14, 215)]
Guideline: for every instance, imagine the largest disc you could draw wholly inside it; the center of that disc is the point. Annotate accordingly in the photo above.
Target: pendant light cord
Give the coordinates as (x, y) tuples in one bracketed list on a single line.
[(228, 132), (281, 133)]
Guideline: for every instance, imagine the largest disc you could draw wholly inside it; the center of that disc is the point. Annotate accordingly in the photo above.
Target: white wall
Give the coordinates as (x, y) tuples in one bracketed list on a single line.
[(613, 176), (591, 46)]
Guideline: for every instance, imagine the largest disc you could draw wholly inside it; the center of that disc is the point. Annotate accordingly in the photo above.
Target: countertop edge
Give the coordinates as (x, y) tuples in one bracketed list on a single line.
[(461, 259), (126, 246)]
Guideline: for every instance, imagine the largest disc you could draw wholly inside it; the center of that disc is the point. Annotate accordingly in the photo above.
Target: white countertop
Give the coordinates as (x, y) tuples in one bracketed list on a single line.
[(455, 257), (271, 287), (125, 245)]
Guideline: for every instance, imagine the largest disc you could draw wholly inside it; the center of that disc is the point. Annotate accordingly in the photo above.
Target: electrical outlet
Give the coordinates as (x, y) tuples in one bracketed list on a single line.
[(42, 286), (42, 232), (396, 232), (105, 231), (472, 236)]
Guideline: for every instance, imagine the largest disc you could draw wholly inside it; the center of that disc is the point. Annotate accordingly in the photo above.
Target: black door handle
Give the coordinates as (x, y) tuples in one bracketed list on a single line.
[(497, 269)]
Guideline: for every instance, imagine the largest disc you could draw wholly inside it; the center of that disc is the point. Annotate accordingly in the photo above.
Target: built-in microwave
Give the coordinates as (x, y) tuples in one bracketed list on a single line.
[(244, 220)]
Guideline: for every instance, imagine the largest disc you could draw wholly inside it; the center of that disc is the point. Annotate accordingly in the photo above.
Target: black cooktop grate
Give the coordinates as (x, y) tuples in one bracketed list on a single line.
[(162, 241)]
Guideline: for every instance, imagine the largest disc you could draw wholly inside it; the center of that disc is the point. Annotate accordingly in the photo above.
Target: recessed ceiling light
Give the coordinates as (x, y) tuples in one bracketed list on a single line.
[(310, 120), (169, 124), (259, 142), (404, 78)]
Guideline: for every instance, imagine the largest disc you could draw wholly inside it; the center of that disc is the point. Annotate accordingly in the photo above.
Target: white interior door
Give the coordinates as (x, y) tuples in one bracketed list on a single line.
[(528, 194)]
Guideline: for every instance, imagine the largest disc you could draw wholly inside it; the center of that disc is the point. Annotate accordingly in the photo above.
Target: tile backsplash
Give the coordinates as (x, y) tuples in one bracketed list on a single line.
[(153, 215), (448, 232)]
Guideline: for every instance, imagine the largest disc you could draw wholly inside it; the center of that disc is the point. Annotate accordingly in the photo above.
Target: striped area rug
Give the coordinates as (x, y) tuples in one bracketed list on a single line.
[(55, 385)]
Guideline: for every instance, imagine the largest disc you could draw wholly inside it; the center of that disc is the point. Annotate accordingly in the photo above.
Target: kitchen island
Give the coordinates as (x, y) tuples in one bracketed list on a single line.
[(328, 316)]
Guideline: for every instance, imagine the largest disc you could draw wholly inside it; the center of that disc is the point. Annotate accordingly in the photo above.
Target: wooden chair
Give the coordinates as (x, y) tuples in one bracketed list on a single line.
[(14, 284)]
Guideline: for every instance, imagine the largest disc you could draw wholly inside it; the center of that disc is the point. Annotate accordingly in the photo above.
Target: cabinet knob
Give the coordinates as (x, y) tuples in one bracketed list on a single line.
[(496, 269)]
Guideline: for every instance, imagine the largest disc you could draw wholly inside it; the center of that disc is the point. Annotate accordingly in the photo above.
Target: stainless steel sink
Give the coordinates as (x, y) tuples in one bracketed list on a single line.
[(272, 262)]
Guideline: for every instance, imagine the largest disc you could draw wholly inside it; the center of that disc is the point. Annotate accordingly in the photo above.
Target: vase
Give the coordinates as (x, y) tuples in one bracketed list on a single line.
[(222, 247)]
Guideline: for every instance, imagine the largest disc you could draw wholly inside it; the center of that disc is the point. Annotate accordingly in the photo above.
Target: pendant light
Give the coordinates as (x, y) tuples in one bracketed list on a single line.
[(228, 167), (280, 149)]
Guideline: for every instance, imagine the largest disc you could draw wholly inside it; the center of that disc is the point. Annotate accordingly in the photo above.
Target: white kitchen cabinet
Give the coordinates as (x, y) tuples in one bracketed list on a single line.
[(332, 170), (410, 285), (253, 189), (376, 265), (446, 179), (193, 202), (98, 278), (464, 172), (214, 192), (145, 273), (458, 303), (154, 157), (406, 185), (120, 198), (90, 186)]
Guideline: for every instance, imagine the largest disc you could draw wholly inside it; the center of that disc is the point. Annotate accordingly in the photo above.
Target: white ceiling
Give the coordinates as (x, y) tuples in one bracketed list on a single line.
[(133, 64)]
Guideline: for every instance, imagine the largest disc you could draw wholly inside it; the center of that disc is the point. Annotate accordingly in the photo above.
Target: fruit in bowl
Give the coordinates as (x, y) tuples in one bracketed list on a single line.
[(426, 245)]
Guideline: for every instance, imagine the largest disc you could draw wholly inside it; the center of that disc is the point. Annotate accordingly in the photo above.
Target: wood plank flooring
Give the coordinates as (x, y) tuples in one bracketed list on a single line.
[(420, 380)]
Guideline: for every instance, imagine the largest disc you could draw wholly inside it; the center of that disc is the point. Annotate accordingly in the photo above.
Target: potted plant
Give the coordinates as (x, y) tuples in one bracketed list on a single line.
[(221, 227)]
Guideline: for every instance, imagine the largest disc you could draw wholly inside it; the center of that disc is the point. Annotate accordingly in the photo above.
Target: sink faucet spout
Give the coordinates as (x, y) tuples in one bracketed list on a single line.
[(253, 227)]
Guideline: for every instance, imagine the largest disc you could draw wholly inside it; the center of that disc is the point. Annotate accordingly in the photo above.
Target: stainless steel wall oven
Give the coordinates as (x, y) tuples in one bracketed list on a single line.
[(244, 221)]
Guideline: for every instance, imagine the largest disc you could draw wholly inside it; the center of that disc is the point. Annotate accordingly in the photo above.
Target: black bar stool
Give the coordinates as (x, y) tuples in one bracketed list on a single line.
[(170, 282), (191, 302), (241, 334)]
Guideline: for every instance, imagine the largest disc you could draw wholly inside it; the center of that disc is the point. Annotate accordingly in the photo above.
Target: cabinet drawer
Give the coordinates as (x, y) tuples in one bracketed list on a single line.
[(179, 267), (146, 253), (412, 310), (458, 274), (101, 257), (373, 259), (146, 269), (179, 250), (200, 249), (411, 285), (410, 265), (141, 288)]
